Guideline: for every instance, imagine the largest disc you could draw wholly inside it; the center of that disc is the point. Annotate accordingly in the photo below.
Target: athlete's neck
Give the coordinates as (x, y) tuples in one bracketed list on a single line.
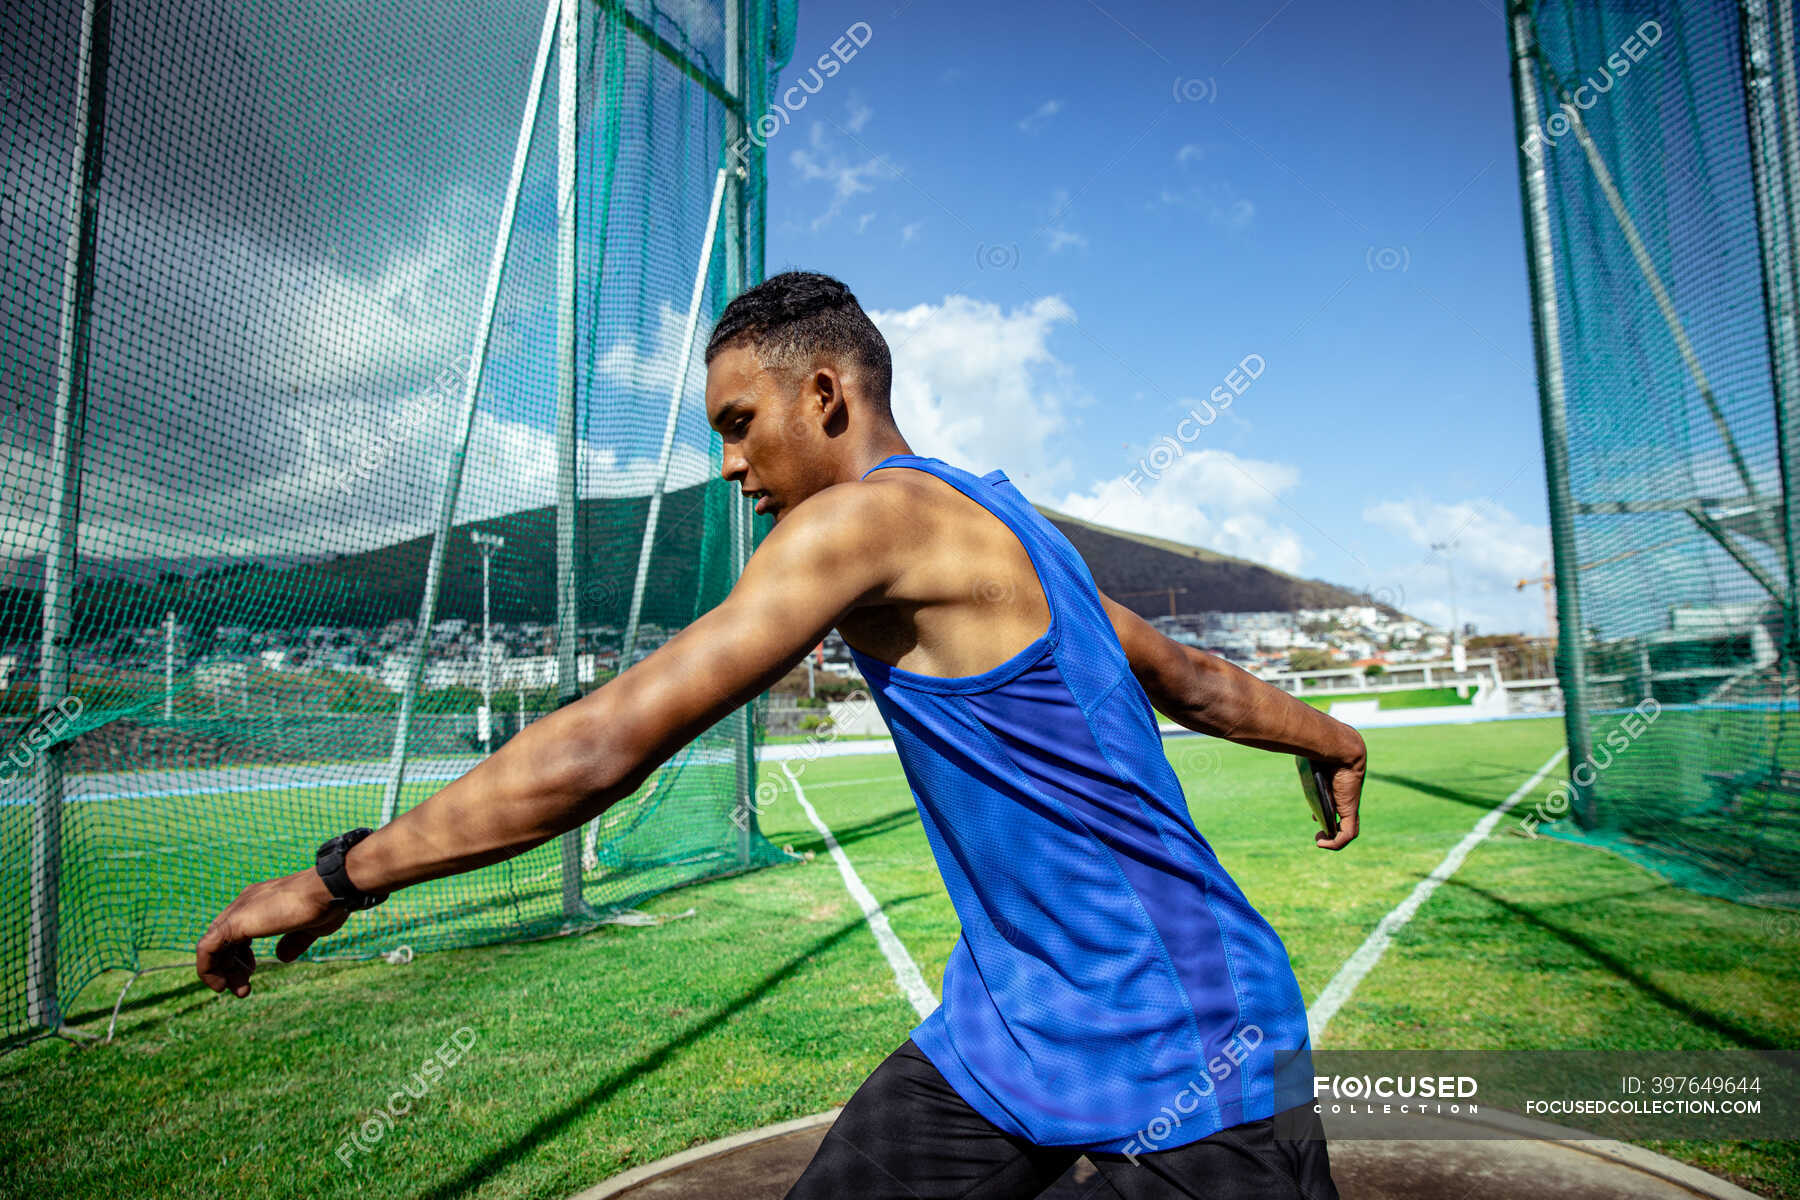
[(876, 450)]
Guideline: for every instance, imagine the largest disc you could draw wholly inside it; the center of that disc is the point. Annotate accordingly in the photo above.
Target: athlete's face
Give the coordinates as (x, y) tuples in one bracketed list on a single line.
[(778, 428)]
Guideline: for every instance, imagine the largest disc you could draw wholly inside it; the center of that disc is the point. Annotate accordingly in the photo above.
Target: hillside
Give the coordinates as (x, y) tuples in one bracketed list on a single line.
[(375, 586), (1137, 570)]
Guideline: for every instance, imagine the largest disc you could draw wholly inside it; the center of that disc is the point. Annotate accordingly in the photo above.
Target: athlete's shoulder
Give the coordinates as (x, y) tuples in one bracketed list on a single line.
[(859, 524)]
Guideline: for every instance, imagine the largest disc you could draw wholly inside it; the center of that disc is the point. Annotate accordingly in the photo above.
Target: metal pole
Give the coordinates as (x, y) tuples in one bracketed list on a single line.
[(1450, 574), (1770, 117), (42, 1005), (590, 854), (737, 278), (568, 113), (169, 666), (1552, 409), (629, 647), (487, 660), (453, 473), (1666, 306), (488, 543)]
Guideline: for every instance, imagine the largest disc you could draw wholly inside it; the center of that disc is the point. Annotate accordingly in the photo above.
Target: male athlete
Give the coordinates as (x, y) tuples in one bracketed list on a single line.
[(1112, 992)]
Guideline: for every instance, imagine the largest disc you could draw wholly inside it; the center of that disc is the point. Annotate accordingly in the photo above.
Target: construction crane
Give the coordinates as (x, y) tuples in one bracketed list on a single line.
[(1548, 579)]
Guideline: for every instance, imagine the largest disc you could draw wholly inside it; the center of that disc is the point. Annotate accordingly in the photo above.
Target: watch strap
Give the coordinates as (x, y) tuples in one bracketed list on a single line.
[(330, 864)]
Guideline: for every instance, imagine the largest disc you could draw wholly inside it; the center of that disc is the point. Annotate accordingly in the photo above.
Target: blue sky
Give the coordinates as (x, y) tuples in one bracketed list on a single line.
[(1074, 221)]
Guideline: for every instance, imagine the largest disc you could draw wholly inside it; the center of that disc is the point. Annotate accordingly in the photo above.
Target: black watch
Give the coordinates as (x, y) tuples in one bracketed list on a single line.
[(330, 865)]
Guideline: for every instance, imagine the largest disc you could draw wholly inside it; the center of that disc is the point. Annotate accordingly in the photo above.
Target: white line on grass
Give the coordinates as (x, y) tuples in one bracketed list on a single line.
[(906, 971), (859, 781), (1358, 965)]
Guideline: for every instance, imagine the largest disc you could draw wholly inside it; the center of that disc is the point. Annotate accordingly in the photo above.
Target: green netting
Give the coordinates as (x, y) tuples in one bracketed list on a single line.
[(1664, 293), (265, 336)]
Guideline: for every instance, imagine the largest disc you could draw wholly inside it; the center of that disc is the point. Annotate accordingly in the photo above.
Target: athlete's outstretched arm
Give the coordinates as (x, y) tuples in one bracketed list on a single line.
[(1209, 695), (825, 557)]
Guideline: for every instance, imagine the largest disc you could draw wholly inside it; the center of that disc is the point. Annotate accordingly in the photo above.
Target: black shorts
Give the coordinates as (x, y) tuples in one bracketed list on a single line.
[(907, 1135)]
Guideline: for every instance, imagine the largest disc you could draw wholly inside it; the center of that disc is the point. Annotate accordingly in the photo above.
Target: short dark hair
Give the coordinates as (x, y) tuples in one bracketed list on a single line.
[(790, 317)]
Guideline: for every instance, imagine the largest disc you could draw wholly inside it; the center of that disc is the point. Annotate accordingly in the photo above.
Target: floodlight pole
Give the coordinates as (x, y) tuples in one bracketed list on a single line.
[(459, 452), (1772, 118), (487, 543), (1450, 572), (42, 1005), (568, 139), (1552, 404)]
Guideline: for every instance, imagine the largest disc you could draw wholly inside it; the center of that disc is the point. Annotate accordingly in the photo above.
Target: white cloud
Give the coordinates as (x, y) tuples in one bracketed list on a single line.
[(1491, 551), (1218, 203), (910, 231), (821, 163), (1208, 498), (1189, 153), (1055, 232), (351, 468), (1033, 120), (859, 116), (979, 386), (1489, 542), (862, 222)]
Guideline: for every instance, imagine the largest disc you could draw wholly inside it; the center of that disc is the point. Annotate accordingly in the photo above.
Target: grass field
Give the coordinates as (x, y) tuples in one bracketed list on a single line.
[(1431, 697), (592, 1054)]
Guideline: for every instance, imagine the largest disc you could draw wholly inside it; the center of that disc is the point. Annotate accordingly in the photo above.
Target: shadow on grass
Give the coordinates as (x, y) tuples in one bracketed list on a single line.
[(1719, 1024), (1426, 787), (365, 949), (480, 1172), (849, 835)]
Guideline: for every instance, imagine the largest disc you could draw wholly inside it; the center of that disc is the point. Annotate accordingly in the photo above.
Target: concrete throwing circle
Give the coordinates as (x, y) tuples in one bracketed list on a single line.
[(1529, 1158)]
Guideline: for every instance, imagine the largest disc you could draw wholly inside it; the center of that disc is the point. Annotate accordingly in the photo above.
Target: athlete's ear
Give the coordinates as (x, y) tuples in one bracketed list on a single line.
[(828, 397)]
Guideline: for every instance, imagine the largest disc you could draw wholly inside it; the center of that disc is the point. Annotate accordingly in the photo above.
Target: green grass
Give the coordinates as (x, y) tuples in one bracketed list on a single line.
[(1432, 697), (596, 1053)]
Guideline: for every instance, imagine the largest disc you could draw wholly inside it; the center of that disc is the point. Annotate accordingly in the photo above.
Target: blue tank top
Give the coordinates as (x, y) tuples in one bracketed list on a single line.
[(1112, 989)]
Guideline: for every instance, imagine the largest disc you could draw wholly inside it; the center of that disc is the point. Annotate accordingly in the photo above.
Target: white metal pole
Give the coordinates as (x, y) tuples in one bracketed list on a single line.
[(488, 544), (453, 473), (670, 421), (42, 1004), (568, 140), (169, 666), (487, 660), (738, 275), (1552, 399), (1666, 306), (1768, 64), (590, 852)]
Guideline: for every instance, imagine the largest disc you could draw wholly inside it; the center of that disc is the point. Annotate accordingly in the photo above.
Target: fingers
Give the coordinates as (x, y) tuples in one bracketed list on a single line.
[(1345, 835), (293, 945), (1347, 812), (224, 963), (294, 907)]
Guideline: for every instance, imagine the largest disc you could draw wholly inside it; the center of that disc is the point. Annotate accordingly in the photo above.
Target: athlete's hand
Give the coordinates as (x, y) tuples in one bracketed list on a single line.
[(298, 906), (1346, 797)]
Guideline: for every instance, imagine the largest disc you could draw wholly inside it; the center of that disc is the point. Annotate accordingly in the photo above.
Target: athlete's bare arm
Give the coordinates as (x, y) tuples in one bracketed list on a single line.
[(834, 552), (1209, 695)]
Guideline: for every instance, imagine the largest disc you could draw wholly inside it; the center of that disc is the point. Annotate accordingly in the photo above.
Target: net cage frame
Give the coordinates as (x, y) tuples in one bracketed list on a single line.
[(55, 949), (1653, 139)]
